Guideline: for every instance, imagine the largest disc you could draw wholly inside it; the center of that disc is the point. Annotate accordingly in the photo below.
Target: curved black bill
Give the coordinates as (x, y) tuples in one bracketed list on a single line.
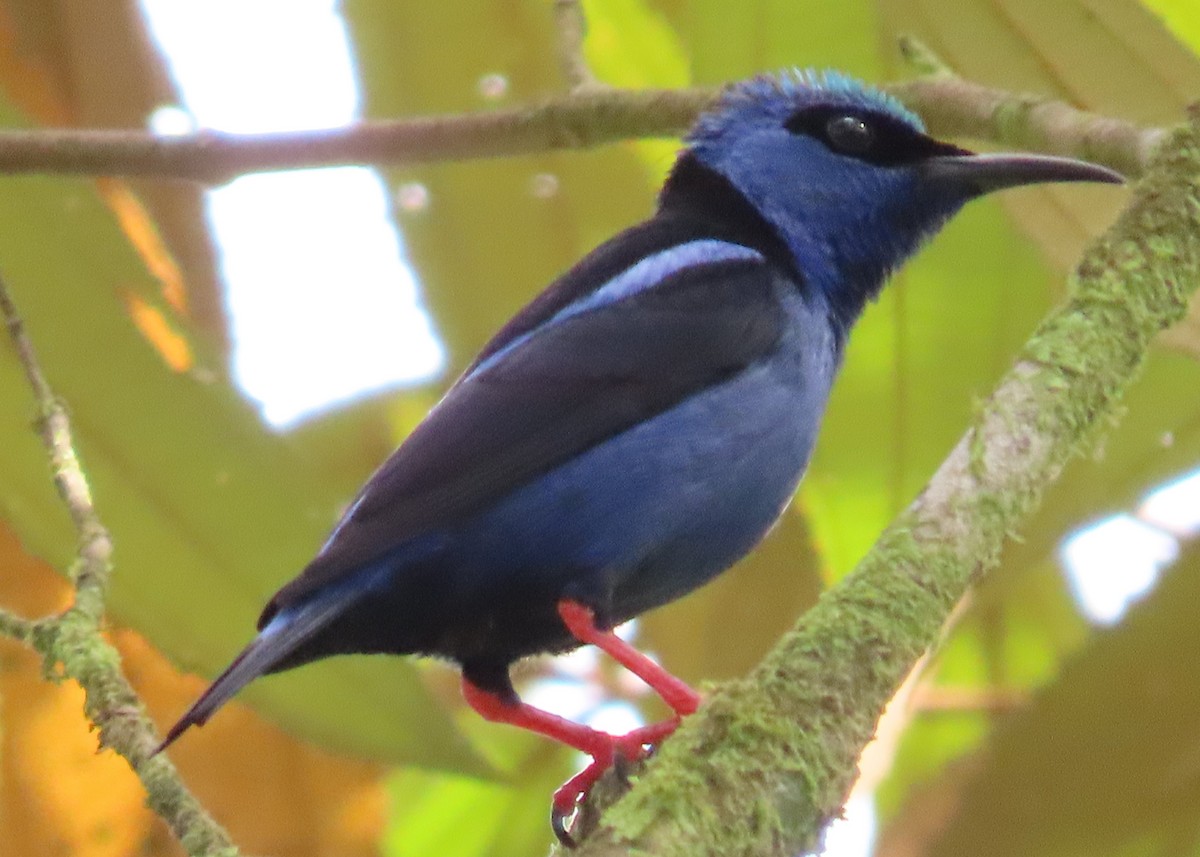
[(985, 173)]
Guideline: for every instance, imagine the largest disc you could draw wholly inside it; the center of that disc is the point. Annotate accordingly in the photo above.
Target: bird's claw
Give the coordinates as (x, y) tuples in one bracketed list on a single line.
[(558, 823), (573, 792), (630, 747)]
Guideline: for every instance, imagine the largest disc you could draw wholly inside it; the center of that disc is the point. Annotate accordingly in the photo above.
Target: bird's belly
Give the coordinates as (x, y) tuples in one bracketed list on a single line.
[(640, 519)]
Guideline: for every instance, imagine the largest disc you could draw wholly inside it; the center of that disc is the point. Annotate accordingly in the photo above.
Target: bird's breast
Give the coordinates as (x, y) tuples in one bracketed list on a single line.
[(656, 511)]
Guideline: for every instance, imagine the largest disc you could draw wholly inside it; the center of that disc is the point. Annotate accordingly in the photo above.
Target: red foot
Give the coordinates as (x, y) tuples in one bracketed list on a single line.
[(570, 794), (631, 746), (581, 622), (601, 746)]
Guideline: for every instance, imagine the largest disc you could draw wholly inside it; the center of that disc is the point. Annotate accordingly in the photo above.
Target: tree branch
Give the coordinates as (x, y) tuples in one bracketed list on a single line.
[(922, 58), (952, 107), (16, 627), (572, 27), (768, 760), (956, 107), (72, 642)]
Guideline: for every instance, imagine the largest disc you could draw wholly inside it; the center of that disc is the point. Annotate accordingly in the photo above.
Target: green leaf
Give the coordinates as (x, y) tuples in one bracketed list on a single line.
[(768, 35), (209, 510), (1100, 762), (442, 814)]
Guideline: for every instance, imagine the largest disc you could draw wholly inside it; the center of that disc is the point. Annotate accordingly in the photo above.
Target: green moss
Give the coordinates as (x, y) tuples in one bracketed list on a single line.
[(74, 648)]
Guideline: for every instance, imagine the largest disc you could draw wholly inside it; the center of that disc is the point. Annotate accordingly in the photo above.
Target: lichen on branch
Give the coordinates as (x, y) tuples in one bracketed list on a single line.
[(72, 644)]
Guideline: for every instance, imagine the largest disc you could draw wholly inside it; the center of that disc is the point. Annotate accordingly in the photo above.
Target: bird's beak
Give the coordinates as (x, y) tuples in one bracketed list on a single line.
[(986, 173)]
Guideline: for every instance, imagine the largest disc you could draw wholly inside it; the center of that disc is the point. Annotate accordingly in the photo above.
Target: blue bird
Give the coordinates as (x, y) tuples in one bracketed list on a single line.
[(640, 425)]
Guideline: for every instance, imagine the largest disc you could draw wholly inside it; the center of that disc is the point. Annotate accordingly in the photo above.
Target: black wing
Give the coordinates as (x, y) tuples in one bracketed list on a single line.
[(566, 388)]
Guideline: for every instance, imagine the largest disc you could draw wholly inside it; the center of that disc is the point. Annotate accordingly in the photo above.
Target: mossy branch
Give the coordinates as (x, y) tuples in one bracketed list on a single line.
[(585, 117), (72, 644), (16, 627), (768, 760)]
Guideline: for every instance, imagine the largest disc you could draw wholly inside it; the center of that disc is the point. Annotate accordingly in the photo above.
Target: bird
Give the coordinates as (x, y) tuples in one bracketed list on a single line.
[(643, 422)]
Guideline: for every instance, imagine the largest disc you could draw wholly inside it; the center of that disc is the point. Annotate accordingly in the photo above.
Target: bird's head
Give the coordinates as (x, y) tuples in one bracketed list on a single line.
[(847, 176)]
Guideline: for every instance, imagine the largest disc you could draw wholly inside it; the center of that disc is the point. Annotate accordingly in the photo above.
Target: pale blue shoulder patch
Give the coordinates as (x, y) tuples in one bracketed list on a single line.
[(639, 277), (652, 270)]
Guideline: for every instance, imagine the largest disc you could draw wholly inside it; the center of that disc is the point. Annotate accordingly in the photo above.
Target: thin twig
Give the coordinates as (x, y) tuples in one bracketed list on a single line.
[(578, 120), (572, 27), (923, 59), (952, 107), (956, 107), (16, 627), (95, 547), (73, 642)]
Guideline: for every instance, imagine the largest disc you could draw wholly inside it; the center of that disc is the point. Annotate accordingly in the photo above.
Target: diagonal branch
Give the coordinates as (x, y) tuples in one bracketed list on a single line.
[(768, 760), (73, 641), (585, 118)]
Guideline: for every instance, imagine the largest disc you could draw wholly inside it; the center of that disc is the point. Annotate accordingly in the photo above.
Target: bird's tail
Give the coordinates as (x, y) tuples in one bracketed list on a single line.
[(282, 635)]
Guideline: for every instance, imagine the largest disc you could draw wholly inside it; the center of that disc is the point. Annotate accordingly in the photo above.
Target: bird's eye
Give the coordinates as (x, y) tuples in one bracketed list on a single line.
[(850, 135)]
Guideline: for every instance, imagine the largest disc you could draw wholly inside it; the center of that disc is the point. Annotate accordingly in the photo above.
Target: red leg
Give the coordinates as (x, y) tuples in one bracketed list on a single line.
[(581, 622), (601, 746), (493, 707)]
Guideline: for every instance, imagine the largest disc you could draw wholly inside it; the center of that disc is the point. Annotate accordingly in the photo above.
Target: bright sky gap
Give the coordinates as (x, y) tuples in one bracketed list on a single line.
[(322, 304), (1115, 562)]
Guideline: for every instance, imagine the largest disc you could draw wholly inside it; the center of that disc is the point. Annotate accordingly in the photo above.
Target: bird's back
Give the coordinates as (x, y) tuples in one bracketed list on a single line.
[(481, 443)]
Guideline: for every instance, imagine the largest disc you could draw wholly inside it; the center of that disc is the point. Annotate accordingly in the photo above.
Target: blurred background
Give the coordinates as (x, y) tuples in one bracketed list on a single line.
[(237, 359)]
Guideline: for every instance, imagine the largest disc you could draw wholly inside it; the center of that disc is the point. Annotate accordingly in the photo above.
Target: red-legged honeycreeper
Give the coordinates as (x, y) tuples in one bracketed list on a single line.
[(641, 424)]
